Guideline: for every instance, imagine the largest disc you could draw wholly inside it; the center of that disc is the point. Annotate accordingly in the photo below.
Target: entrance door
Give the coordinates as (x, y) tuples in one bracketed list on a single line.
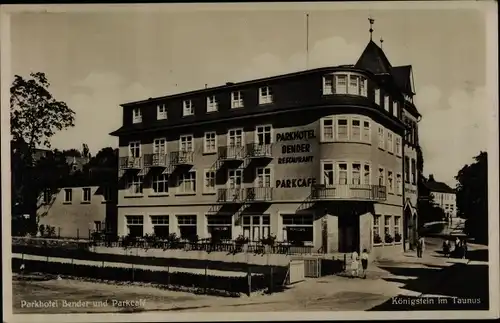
[(348, 233)]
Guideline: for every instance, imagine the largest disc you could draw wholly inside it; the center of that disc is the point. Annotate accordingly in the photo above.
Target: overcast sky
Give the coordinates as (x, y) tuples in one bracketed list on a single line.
[(96, 61)]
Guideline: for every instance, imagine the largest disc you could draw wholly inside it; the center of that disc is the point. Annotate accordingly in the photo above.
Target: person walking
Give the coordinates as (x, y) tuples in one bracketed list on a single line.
[(420, 247), (354, 264), (364, 262), (446, 248)]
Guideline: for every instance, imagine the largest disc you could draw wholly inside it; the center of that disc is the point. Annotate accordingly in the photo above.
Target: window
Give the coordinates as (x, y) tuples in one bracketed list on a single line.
[(47, 196), (160, 183), (135, 184), (342, 129), (136, 115), (160, 225), (209, 181), (86, 194), (354, 84), (160, 147), (263, 180), (398, 145), (68, 195), (397, 228), (327, 129), (161, 112), (399, 184), (376, 229), (341, 84), (135, 224), (413, 171), (390, 142), (263, 135), (210, 142), (395, 108), (381, 141), (256, 227), (377, 96), (342, 171), (386, 102), (298, 228), (327, 85), (98, 227), (356, 129), (235, 138), (187, 182), (220, 226), (407, 169), (390, 181), (387, 225), (188, 108), (265, 95), (366, 131), (187, 226), (236, 100), (134, 149), (363, 85), (356, 174), (212, 105), (328, 174), (366, 175), (235, 179), (186, 143), (381, 176)]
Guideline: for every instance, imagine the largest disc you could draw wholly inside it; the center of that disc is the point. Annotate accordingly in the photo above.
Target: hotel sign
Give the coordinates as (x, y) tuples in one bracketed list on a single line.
[(288, 149), (295, 182)]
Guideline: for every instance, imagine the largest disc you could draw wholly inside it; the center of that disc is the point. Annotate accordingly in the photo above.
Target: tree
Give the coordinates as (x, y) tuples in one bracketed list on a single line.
[(35, 116), (472, 197)]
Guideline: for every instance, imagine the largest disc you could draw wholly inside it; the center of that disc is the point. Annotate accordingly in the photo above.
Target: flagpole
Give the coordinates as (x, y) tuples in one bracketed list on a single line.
[(307, 41)]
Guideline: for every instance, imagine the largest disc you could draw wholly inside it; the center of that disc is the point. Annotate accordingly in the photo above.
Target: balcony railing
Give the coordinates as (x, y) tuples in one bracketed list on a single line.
[(129, 162), (231, 152), (258, 194), (349, 192), (155, 160), (230, 195), (255, 150), (181, 157)]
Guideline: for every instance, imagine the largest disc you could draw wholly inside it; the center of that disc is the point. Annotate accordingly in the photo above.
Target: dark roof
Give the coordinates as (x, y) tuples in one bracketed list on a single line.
[(440, 187), (402, 77), (374, 60)]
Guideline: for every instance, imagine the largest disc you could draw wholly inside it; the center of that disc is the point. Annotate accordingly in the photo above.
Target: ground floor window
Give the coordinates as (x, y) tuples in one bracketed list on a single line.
[(388, 238), (256, 227), (376, 229), (298, 228), (220, 226), (397, 228), (187, 226), (160, 225), (135, 225)]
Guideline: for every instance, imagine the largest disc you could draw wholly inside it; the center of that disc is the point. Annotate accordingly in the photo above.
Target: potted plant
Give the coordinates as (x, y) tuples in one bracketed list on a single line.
[(388, 238), (397, 237), (268, 242), (240, 243), (377, 239)]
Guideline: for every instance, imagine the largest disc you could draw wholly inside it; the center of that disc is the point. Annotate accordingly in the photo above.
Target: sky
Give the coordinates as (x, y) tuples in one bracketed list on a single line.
[(96, 61)]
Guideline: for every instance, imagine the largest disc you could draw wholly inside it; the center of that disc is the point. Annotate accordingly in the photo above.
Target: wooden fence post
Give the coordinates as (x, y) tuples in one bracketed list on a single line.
[(271, 281), (206, 277), (249, 279)]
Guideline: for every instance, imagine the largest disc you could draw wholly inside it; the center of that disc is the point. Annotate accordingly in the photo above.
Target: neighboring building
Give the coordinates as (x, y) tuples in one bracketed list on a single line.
[(315, 157), (444, 197)]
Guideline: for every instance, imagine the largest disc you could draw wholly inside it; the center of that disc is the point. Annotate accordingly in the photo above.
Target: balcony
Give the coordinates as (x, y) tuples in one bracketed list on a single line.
[(230, 195), (155, 160), (181, 158), (258, 194), (349, 192), (228, 153), (130, 162), (255, 150)]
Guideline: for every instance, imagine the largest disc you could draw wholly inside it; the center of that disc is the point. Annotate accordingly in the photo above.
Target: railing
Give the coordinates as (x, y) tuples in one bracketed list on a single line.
[(129, 162), (231, 152), (258, 194), (181, 157), (255, 150), (155, 160), (228, 195), (348, 191)]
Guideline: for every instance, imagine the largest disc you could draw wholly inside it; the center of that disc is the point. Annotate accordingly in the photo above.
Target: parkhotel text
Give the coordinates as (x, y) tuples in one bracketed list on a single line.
[(83, 304)]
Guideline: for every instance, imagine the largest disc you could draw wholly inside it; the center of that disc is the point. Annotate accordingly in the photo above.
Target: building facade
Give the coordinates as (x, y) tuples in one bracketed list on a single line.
[(444, 196), (315, 158)]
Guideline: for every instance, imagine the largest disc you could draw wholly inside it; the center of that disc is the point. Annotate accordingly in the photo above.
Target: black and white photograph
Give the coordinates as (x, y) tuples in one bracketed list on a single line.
[(190, 161)]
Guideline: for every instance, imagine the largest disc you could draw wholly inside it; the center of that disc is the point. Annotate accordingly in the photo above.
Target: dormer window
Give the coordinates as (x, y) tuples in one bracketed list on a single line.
[(327, 85), (212, 105), (265, 95), (161, 112), (236, 100), (188, 108), (386, 102), (341, 84), (395, 108), (136, 115), (377, 96)]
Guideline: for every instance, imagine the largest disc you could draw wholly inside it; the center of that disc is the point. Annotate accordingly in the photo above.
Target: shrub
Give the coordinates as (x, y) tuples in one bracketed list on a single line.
[(270, 240), (397, 237), (388, 238), (377, 239)]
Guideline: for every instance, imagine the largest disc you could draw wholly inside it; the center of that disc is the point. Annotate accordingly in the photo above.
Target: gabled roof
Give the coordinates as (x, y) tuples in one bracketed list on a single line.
[(402, 77), (440, 187), (374, 60)]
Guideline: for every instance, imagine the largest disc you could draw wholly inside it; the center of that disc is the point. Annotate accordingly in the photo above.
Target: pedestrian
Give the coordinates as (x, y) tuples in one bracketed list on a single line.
[(420, 247), (354, 264), (457, 251), (464, 248), (364, 262), (446, 248)]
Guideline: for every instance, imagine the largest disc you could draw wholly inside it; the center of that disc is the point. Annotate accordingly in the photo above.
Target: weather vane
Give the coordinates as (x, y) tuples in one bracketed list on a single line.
[(381, 42), (372, 21)]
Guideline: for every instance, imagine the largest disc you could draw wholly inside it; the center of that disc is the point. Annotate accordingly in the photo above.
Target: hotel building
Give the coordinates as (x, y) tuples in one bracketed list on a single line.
[(317, 157), (444, 197)]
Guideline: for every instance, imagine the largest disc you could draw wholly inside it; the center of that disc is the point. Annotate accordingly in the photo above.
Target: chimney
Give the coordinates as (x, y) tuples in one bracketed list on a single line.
[(431, 178)]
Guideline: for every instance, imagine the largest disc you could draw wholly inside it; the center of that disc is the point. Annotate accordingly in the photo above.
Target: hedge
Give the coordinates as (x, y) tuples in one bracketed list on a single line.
[(198, 282)]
